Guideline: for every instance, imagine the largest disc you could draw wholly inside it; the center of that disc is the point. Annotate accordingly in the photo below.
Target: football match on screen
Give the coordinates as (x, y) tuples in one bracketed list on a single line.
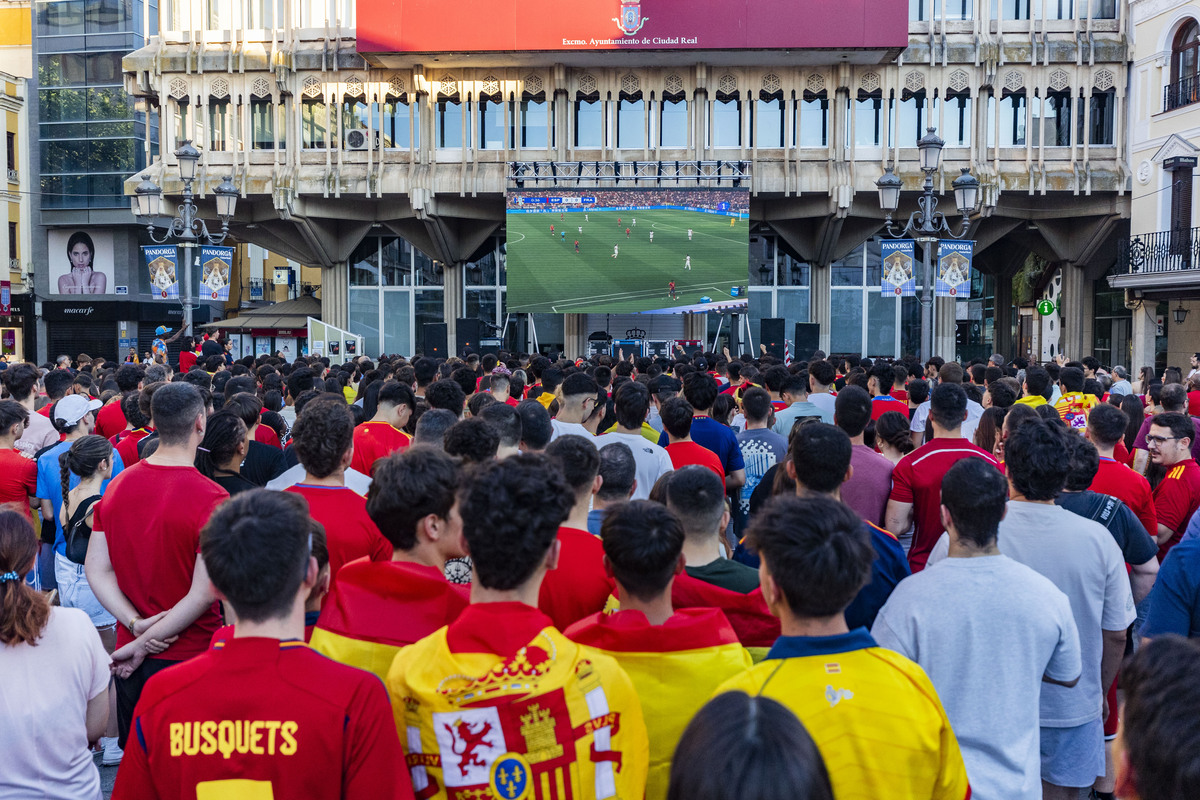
[(627, 250)]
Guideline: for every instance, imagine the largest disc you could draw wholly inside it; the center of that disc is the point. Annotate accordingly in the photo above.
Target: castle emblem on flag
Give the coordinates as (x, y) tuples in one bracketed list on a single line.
[(631, 19)]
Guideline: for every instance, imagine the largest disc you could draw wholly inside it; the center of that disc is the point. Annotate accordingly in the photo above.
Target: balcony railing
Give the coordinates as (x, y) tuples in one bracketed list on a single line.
[(1162, 251), (14, 176), (1182, 92)]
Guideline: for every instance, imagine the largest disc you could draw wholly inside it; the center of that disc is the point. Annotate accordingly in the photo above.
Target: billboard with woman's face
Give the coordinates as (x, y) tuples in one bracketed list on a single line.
[(81, 261)]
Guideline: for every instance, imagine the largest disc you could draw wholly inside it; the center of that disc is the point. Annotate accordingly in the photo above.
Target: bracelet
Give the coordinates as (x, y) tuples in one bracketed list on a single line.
[(136, 619)]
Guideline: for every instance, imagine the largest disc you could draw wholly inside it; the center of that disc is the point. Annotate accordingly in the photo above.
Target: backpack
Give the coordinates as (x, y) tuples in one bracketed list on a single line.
[(77, 532)]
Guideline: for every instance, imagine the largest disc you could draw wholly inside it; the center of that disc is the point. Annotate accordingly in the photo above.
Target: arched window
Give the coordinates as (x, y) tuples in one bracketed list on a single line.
[(1185, 66)]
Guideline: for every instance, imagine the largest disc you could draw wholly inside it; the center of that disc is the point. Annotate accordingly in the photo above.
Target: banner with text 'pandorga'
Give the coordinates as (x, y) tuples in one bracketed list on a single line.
[(163, 263), (899, 278), (216, 264), (954, 268)]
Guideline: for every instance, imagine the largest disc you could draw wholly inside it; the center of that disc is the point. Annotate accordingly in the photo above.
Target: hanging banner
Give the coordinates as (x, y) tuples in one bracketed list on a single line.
[(163, 263), (216, 265), (5, 299), (899, 278), (954, 268)]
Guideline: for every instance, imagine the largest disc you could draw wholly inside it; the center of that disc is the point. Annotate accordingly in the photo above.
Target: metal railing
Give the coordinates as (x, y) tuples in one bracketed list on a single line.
[(1162, 251), (14, 176), (1182, 92)]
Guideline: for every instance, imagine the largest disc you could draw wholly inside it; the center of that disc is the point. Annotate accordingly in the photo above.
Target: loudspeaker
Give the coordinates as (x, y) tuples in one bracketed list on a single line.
[(770, 333), (469, 331), (807, 341), (436, 336)]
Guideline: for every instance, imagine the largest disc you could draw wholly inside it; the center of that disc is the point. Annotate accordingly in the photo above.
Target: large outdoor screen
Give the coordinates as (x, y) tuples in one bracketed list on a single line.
[(627, 250)]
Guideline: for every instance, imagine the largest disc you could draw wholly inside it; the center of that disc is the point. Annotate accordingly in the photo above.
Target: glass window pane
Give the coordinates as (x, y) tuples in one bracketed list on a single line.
[(1103, 105), (759, 308), (429, 308), (481, 272), (449, 124), (397, 263), (631, 123), (482, 304), (397, 332), (534, 133), (64, 18), (726, 123), (762, 260), (814, 122), (881, 325), (848, 271), (1012, 120), (957, 116), (793, 307), (394, 124), (364, 263), (868, 122), (845, 312), (673, 128), (589, 123), (218, 125), (364, 318), (314, 123), (262, 124), (793, 272), (768, 123), (910, 326), (427, 271), (491, 125)]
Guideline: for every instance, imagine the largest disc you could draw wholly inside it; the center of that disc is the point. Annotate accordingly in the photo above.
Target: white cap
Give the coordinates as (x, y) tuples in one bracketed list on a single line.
[(74, 407)]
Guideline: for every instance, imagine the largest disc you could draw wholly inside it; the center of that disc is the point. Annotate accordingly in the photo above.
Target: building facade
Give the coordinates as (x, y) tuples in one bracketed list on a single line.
[(1157, 276), (387, 168)]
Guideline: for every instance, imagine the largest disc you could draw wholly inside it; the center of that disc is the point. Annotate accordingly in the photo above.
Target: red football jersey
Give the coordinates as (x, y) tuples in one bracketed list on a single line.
[(376, 440), (1128, 486), (1176, 498), (267, 435), (127, 447), (579, 587), (110, 420), (349, 532), (684, 454), (261, 718), (18, 480)]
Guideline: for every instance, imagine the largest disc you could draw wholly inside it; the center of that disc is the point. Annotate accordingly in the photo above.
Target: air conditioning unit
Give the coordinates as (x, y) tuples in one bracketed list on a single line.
[(362, 140)]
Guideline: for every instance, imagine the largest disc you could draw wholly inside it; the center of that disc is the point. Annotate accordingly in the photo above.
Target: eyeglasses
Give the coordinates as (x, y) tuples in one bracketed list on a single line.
[(1158, 441)]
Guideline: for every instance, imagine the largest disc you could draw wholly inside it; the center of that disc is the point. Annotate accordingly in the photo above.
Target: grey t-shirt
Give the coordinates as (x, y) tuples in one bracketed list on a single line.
[(986, 630)]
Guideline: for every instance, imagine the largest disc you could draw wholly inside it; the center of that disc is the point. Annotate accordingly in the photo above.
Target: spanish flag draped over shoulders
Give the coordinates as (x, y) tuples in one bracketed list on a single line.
[(748, 614), (499, 704), (375, 608), (675, 668)]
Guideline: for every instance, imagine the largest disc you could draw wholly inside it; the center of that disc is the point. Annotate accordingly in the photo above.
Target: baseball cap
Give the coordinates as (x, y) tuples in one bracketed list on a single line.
[(74, 407), (161, 329)]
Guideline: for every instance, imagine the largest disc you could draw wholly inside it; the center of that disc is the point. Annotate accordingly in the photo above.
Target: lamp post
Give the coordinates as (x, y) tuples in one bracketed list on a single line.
[(927, 224), (186, 228)]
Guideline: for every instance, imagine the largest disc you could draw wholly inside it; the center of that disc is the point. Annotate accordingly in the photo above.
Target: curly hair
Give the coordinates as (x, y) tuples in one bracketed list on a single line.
[(323, 433)]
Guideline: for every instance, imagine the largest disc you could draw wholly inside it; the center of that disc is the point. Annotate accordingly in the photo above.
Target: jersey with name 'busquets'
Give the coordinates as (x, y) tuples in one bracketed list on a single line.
[(261, 718), (151, 516), (917, 479)]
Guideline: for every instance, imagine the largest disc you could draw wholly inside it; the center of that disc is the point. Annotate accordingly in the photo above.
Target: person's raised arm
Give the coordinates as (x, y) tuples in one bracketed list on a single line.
[(178, 333)]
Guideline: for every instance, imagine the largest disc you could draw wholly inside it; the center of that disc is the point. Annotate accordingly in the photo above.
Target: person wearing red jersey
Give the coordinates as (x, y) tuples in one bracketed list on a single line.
[(188, 354), (697, 647), (324, 442), (384, 433), (500, 384), (578, 586), (1106, 427), (377, 608), (676, 415), (899, 381), (141, 562), (917, 479), (110, 420), (773, 380), (18, 474), (262, 715), (127, 446), (879, 384), (1178, 494)]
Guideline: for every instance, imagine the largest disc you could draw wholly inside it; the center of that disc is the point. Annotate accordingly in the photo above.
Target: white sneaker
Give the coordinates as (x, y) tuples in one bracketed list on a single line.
[(112, 751)]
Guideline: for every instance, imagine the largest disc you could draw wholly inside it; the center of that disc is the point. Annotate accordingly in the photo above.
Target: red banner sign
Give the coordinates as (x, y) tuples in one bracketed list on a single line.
[(456, 26), (5, 298)]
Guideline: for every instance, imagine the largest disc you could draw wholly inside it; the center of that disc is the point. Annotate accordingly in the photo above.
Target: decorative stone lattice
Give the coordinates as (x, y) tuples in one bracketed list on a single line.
[(1059, 80), (914, 81), (870, 82), (219, 88), (727, 84), (673, 84), (1014, 81), (354, 87), (1104, 80), (533, 84), (396, 86), (448, 86), (771, 83), (312, 87), (261, 87), (959, 80), (630, 84), (587, 84), (815, 83), (491, 85), (178, 88)]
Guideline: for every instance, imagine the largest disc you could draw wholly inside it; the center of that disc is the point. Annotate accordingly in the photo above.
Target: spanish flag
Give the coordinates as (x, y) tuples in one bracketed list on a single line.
[(756, 628), (675, 668), (375, 608)]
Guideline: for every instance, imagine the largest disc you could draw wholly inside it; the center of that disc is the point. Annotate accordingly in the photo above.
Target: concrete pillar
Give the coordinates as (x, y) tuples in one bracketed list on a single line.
[(945, 327), (335, 295), (1145, 329), (820, 277), (1076, 313), (1004, 319), (575, 335), (452, 303), (695, 326)]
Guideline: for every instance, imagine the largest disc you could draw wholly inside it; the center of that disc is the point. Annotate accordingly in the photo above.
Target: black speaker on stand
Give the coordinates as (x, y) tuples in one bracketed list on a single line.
[(807, 341), (436, 336), (770, 333), (468, 333)]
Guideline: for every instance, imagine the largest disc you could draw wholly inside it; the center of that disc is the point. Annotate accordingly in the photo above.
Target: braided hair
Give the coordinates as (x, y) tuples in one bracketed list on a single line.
[(83, 458), (224, 432)]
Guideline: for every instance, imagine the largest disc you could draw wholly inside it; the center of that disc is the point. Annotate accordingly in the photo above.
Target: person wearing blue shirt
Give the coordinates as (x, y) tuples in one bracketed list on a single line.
[(1175, 598), (700, 390)]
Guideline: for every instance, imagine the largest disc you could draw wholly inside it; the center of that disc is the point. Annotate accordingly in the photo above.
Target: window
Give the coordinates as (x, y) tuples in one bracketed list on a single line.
[(914, 113), (589, 123), (355, 114), (314, 124), (921, 10), (1052, 120), (491, 123), (1060, 9), (1012, 120), (12, 242), (260, 14), (814, 120), (767, 122), (393, 119), (673, 123), (726, 122), (10, 148), (956, 118), (1100, 117), (869, 119), (216, 14), (218, 125), (631, 122), (1013, 9), (535, 132), (263, 115), (1104, 9), (448, 119), (1185, 64), (182, 119)]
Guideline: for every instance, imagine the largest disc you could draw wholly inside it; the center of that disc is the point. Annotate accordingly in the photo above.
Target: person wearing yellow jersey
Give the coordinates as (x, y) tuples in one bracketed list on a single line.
[(1037, 383), (874, 715), (675, 658), (499, 704), (1074, 405)]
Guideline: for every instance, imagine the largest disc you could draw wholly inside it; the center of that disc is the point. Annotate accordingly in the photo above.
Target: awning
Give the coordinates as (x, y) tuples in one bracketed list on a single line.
[(289, 315)]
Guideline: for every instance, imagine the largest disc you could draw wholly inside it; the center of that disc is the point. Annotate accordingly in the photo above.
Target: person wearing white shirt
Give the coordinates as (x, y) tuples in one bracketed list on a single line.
[(949, 373), (631, 403), (576, 405), (821, 376)]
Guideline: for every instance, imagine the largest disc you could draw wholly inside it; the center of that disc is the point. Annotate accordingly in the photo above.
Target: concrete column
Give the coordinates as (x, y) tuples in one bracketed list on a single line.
[(695, 326), (335, 295), (452, 303), (1076, 314), (821, 280), (1145, 329), (575, 335), (945, 327)]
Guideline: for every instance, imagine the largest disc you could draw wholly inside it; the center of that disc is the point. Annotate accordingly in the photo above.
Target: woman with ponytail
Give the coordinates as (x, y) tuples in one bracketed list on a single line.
[(219, 456), (55, 681)]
